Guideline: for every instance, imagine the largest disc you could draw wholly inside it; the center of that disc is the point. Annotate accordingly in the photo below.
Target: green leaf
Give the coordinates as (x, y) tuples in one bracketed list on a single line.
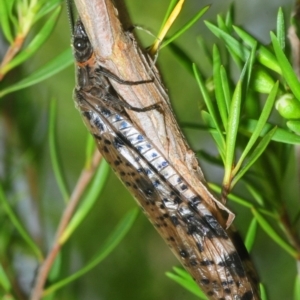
[(251, 62), (89, 151), (218, 87), (35, 44), (108, 246), (234, 46), (264, 55), (233, 124), (56, 163), (184, 274), (251, 234), (216, 136), (186, 281), (207, 101), (245, 68), (287, 70), (267, 59), (19, 227), (294, 126), (185, 27), (256, 194), (46, 7), (273, 234), (263, 292), (281, 135), (262, 81), (4, 281), (225, 87), (259, 126), (56, 65), (297, 287), (229, 16), (222, 25), (89, 200), (207, 53), (281, 29), (245, 36), (254, 156), (5, 21), (12, 16)]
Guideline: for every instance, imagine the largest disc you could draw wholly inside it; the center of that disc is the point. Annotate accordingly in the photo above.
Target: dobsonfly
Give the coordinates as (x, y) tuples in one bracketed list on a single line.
[(219, 265)]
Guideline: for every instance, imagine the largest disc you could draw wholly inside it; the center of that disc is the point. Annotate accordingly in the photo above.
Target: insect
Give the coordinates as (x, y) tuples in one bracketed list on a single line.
[(181, 216)]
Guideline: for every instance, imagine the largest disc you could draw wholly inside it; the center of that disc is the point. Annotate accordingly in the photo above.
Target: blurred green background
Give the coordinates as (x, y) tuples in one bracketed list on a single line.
[(135, 270)]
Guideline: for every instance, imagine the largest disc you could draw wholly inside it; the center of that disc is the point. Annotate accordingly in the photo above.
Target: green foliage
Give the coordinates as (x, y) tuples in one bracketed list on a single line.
[(54, 66), (18, 19), (245, 137), (255, 149), (184, 279), (16, 28), (111, 242), (184, 28)]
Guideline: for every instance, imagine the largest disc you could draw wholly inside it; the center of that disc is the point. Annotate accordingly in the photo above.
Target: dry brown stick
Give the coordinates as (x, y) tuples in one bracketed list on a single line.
[(117, 51), (83, 181)]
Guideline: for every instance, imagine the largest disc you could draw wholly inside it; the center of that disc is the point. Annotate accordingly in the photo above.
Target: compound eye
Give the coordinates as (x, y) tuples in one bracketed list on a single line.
[(81, 44), (83, 49)]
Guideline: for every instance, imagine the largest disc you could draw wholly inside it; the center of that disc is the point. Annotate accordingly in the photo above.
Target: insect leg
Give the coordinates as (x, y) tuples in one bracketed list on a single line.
[(115, 101), (108, 74)]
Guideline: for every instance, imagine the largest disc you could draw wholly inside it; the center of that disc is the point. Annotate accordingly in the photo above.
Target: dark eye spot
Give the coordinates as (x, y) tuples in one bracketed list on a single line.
[(83, 49), (80, 44)]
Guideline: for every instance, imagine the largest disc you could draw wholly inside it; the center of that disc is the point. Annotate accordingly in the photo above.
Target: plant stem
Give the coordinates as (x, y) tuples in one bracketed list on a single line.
[(82, 183)]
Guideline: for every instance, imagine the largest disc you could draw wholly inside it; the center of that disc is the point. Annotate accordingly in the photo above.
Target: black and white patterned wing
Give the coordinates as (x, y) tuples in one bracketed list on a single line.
[(179, 215)]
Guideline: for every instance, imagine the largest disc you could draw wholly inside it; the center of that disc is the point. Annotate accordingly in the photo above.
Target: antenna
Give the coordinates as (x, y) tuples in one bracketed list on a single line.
[(70, 11)]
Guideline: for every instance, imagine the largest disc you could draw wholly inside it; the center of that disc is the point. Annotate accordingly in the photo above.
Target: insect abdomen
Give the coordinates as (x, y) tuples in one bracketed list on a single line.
[(180, 215)]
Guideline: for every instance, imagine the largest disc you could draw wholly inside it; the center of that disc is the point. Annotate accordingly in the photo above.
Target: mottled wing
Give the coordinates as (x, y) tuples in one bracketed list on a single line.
[(180, 216)]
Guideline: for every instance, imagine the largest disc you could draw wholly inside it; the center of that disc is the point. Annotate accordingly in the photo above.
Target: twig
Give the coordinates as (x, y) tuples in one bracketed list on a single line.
[(82, 183), (11, 53)]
